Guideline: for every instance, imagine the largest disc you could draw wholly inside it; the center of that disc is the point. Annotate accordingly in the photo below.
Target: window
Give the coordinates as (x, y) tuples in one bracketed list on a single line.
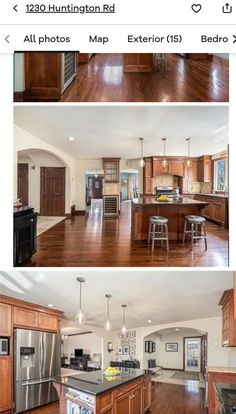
[(221, 175)]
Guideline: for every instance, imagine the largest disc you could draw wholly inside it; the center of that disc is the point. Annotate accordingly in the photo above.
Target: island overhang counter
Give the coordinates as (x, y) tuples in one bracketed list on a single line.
[(97, 394), (174, 211)]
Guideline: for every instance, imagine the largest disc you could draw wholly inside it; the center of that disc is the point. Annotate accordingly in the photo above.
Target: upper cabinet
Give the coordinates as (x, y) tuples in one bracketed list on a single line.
[(174, 167), (138, 62), (25, 317), (111, 168), (147, 176), (228, 321), (5, 319), (48, 322), (205, 169)]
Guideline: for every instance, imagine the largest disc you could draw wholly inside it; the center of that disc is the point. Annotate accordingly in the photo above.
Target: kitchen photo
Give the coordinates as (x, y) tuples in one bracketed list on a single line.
[(120, 342), (121, 77), (121, 186)]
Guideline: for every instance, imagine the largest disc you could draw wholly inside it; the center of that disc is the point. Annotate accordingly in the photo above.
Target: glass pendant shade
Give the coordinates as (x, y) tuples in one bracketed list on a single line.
[(107, 324), (141, 161), (188, 162), (79, 317), (123, 328), (164, 162)]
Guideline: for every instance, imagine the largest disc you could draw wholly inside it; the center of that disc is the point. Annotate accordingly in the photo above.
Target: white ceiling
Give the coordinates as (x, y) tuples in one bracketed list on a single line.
[(113, 131), (161, 296)]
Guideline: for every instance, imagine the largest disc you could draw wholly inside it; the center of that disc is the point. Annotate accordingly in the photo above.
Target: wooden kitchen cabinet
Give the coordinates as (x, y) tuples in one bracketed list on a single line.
[(123, 404), (191, 173), (217, 375), (5, 319), (228, 321), (205, 169), (48, 322), (138, 62), (111, 168), (176, 167), (216, 210), (146, 396), (25, 317), (136, 401), (234, 295), (48, 74), (147, 176), (6, 383)]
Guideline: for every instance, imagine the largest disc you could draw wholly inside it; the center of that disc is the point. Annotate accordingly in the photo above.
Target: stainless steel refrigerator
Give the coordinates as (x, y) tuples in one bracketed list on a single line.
[(36, 360)]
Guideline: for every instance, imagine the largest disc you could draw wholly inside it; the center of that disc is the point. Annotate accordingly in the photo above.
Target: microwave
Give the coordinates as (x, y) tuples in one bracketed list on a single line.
[(4, 346)]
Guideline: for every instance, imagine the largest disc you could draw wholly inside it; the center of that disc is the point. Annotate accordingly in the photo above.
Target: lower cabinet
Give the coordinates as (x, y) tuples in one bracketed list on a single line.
[(5, 383), (123, 404), (146, 396), (216, 210), (136, 401)]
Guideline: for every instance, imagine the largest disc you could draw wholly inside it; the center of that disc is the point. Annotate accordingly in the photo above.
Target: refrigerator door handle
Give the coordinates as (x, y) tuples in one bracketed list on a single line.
[(26, 383)]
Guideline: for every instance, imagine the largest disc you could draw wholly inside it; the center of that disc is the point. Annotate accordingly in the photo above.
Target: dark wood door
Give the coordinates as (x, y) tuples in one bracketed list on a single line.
[(97, 187), (23, 183), (52, 191)]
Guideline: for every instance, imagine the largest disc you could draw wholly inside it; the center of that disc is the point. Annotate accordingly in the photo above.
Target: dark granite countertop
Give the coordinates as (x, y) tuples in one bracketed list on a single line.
[(213, 195), (96, 382), (21, 211), (226, 394), (153, 201)]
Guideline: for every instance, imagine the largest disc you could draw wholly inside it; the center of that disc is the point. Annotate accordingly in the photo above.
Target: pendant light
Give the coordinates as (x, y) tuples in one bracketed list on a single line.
[(107, 325), (96, 174), (141, 162), (79, 317), (164, 161), (123, 329), (189, 162)]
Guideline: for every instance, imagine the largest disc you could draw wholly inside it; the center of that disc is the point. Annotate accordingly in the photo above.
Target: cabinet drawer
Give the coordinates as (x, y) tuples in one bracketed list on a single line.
[(49, 322), (5, 319), (127, 387), (25, 317)]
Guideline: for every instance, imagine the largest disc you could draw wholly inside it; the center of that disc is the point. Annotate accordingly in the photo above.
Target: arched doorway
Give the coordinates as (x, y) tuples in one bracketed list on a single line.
[(42, 181), (179, 353)]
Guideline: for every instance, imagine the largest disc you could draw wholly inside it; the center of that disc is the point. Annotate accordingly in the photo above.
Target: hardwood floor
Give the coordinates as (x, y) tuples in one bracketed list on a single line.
[(93, 241), (177, 399), (166, 399), (184, 80)]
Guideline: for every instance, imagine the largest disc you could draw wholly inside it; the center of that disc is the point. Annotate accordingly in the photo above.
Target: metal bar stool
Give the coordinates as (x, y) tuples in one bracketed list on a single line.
[(197, 229), (158, 230)]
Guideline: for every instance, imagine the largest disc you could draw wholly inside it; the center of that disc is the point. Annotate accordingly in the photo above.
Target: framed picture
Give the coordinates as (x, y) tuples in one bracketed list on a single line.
[(132, 350), (119, 350), (172, 347), (125, 350), (146, 346), (131, 334), (154, 347)]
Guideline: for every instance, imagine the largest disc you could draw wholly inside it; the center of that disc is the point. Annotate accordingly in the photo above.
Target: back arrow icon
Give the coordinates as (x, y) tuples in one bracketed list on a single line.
[(15, 7), (6, 38)]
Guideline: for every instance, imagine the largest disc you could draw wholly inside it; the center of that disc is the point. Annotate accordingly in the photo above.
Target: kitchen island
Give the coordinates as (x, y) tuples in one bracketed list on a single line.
[(144, 208), (129, 392)]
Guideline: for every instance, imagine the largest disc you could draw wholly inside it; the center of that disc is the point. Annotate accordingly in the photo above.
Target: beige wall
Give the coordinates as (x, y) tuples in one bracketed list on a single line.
[(26, 141), (90, 343)]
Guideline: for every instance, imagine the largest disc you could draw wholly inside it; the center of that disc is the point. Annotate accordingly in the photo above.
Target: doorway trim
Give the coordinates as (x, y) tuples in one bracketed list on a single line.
[(192, 337)]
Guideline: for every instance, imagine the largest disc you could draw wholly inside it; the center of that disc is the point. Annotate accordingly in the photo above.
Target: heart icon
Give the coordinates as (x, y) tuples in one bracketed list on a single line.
[(196, 8)]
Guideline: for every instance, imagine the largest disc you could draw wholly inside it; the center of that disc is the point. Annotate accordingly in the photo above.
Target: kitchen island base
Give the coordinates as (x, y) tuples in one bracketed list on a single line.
[(132, 397), (143, 209)]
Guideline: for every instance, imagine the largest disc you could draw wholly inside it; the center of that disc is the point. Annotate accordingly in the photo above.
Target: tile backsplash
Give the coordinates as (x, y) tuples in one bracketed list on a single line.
[(205, 188), (165, 181)]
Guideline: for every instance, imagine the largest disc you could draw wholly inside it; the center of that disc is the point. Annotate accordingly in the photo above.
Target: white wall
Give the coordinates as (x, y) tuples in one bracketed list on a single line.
[(217, 355), (25, 141), (35, 162), (19, 72), (222, 55)]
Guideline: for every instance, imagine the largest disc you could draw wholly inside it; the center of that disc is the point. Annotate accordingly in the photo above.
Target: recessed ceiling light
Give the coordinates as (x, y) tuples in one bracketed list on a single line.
[(177, 329), (50, 305), (149, 321), (70, 138)]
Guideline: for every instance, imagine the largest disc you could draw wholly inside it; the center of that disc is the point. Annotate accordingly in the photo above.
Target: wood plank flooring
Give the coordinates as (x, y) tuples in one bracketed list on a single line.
[(92, 241), (184, 80), (166, 399)]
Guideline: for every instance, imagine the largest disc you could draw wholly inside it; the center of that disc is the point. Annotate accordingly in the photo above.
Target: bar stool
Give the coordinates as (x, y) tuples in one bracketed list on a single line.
[(197, 229), (158, 230)]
